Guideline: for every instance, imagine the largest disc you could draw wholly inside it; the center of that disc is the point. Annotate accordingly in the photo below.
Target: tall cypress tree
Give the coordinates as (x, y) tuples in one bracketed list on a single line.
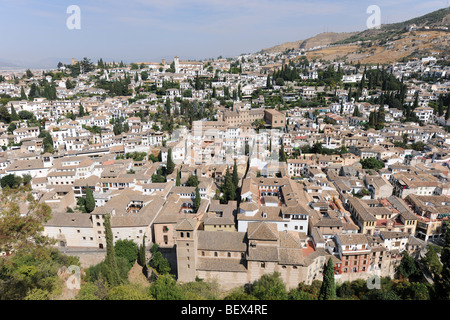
[(14, 116), (235, 177), (112, 271), (23, 96), (197, 199), (170, 164), (178, 182), (228, 189), (282, 155), (141, 253), (268, 82), (90, 201), (328, 288)]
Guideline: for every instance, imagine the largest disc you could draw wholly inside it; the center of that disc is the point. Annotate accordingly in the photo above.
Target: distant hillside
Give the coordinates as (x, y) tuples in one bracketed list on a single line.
[(393, 42), (9, 66), (388, 50), (438, 18), (318, 40)]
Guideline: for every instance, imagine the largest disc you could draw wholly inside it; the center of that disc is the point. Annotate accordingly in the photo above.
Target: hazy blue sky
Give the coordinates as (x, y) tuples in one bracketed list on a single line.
[(35, 33)]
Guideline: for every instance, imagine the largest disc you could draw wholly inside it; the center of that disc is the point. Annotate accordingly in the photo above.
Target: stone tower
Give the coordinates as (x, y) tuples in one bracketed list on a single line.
[(186, 247)]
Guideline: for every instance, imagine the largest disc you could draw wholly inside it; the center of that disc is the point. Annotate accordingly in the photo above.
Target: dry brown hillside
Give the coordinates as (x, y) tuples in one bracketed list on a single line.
[(318, 40), (410, 43)]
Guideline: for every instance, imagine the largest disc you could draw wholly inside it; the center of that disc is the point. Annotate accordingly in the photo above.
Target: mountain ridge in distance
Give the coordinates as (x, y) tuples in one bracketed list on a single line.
[(437, 18)]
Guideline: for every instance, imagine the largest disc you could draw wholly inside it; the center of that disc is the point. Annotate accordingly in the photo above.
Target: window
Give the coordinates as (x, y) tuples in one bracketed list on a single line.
[(215, 254), (263, 264)]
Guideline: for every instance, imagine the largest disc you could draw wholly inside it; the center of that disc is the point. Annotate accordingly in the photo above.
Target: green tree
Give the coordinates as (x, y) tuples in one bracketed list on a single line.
[(86, 65), (197, 199), (228, 189), (22, 231), (141, 253), (317, 148), (407, 267), (268, 82), (412, 290), (32, 274), (235, 177), (69, 84), (23, 96), (25, 115), (432, 262), (129, 292), (305, 292), (282, 155), (47, 141), (192, 181), (111, 268), (239, 293), (177, 181), (8, 181), (28, 74), (170, 166), (371, 163), (161, 264), (269, 287), (88, 291), (127, 249), (12, 126), (90, 201), (166, 288), (201, 290), (328, 288), (81, 112), (4, 114)]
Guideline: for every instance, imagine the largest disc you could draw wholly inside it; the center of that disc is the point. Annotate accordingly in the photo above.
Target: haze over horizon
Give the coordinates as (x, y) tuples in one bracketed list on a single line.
[(36, 35)]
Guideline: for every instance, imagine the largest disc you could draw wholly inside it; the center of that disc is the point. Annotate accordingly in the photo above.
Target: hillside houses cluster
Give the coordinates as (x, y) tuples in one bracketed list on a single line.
[(290, 215)]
